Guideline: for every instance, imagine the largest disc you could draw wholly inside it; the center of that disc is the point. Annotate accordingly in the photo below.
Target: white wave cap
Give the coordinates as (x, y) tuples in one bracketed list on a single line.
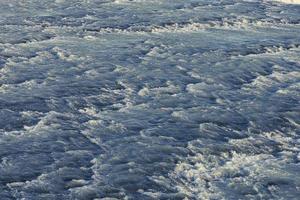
[(290, 1)]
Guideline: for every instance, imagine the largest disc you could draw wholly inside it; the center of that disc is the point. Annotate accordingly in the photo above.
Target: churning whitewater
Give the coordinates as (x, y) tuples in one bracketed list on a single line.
[(149, 99)]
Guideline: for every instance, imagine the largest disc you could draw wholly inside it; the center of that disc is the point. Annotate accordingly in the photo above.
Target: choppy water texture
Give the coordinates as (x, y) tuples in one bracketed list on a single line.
[(140, 99)]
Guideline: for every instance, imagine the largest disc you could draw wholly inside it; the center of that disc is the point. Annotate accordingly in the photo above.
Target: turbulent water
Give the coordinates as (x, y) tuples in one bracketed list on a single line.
[(149, 99)]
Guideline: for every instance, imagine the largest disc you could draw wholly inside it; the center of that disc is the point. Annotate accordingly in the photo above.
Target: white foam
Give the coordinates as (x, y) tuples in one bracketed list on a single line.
[(290, 1)]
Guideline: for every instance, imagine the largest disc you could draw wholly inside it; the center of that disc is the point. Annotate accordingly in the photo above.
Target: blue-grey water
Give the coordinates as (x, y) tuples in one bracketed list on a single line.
[(149, 99)]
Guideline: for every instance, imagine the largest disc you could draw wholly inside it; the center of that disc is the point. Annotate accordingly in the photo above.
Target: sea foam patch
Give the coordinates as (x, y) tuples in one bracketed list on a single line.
[(290, 1)]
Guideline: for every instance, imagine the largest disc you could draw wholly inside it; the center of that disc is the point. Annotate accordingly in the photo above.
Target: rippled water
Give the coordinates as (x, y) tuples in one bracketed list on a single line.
[(149, 99)]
